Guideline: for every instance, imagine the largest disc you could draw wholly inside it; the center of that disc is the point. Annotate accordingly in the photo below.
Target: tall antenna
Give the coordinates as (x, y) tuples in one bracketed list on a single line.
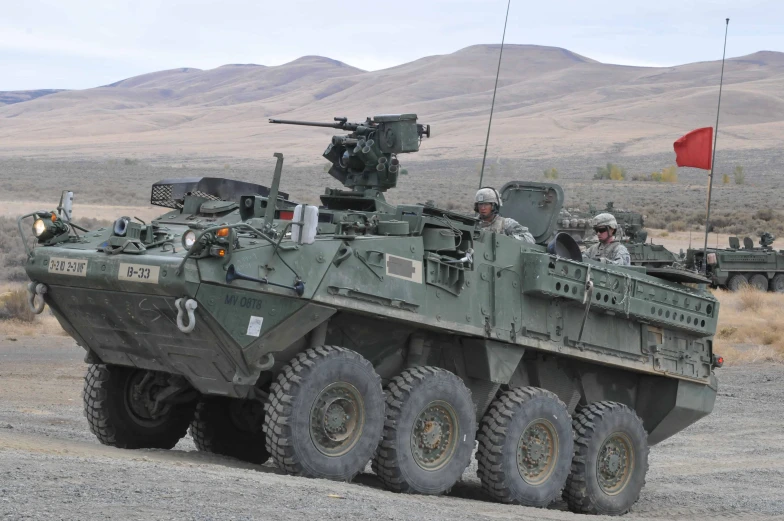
[(492, 105), (713, 158)]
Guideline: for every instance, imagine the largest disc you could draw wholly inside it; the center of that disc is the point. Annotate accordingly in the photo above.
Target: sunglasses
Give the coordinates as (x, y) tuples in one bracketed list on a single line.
[(600, 229)]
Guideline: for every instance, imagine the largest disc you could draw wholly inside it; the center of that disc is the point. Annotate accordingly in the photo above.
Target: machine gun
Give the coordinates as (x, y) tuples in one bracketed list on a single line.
[(366, 159)]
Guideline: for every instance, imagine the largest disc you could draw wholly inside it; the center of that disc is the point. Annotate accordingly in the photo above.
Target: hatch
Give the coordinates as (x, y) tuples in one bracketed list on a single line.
[(534, 205)]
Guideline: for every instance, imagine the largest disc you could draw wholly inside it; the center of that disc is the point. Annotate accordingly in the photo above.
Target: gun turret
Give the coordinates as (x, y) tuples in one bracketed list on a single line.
[(366, 159), (766, 239)]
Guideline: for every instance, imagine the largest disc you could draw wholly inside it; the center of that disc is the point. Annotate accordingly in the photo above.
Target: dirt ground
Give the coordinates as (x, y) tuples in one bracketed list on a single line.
[(730, 464)]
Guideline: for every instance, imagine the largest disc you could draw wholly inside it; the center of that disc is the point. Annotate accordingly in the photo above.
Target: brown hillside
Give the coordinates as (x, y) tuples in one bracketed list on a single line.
[(550, 102)]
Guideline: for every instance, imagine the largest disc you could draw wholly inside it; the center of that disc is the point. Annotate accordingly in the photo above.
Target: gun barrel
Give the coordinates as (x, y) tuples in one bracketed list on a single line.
[(307, 123)]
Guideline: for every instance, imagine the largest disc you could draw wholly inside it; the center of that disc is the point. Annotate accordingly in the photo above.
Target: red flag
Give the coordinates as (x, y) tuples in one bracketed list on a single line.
[(694, 149)]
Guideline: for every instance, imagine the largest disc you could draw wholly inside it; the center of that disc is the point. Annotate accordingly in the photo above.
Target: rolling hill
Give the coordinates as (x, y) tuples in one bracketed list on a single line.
[(550, 102)]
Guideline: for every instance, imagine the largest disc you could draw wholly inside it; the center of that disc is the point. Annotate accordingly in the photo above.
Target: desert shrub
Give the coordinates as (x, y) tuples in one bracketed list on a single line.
[(768, 337), (765, 214), (725, 179), (611, 172), (130, 162), (676, 226), (740, 177), (726, 332), (12, 266), (665, 175), (551, 173), (749, 298), (13, 305)]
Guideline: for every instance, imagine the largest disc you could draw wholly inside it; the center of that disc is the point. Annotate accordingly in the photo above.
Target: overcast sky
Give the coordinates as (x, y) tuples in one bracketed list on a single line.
[(76, 44)]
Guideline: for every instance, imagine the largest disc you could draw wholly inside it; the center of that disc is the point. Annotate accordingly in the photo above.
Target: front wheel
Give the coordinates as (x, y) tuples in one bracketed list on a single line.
[(120, 406), (736, 282), (610, 460)]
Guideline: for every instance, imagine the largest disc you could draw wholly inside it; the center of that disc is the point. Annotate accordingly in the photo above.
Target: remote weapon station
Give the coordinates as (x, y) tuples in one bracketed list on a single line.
[(324, 337)]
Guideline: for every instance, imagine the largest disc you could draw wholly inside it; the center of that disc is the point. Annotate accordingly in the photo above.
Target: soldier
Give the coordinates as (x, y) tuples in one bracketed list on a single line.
[(607, 250), (486, 204)]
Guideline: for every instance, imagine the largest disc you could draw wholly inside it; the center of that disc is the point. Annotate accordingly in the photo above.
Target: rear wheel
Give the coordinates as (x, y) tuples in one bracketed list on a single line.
[(325, 414), (429, 432), (525, 447), (759, 281), (230, 427), (777, 284), (610, 460), (120, 406), (736, 282)]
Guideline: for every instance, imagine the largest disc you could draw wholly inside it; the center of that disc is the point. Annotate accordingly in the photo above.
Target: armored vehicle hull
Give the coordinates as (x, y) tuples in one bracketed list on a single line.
[(735, 267), (276, 338)]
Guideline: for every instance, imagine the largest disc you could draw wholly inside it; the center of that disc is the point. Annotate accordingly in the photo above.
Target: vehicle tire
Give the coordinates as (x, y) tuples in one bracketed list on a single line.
[(736, 282), (759, 281), (324, 414), (610, 460), (526, 444), (230, 427), (777, 284), (120, 418), (428, 434)]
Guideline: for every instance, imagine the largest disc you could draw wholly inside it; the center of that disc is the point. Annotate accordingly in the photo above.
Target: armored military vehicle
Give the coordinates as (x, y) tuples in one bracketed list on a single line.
[(359, 330), (734, 267), (631, 232)]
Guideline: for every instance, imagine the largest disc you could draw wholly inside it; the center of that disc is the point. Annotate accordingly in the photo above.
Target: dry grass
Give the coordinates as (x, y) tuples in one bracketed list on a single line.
[(44, 324), (751, 326), (16, 319)]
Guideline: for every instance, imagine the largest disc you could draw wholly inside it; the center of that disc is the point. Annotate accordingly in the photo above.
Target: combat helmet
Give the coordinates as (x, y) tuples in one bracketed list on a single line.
[(605, 219), (487, 195)]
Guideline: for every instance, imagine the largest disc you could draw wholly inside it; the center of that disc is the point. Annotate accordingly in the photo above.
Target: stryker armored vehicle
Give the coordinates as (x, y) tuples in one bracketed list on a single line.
[(631, 233), (760, 267), (359, 330)]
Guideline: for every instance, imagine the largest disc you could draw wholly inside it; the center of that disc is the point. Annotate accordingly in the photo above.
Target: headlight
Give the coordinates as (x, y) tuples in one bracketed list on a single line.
[(188, 239), (48, 226), (39, 227)]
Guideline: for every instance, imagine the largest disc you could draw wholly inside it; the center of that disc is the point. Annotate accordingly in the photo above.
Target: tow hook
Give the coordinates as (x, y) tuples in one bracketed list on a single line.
[(36, 289), (188, 306)]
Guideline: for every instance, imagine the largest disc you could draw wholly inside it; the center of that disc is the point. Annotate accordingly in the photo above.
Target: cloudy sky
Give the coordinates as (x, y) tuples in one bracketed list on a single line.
[(78, 44)]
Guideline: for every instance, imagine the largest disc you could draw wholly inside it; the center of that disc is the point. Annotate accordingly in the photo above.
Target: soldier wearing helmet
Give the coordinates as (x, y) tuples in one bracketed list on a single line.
[(607, 250), (486, 204)]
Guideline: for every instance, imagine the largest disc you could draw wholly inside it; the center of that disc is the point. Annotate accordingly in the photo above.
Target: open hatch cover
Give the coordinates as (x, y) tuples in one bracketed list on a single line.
[(534, 205)]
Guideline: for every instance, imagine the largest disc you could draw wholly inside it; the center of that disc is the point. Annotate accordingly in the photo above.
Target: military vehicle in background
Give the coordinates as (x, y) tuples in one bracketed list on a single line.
[(331, 335), (732, 268), (631, 232)]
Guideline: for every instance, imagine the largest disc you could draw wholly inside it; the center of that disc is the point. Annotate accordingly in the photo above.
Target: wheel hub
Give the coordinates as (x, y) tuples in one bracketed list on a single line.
[(537, 452), (615, 463), (337, 418), (434, 437), (140, 400)]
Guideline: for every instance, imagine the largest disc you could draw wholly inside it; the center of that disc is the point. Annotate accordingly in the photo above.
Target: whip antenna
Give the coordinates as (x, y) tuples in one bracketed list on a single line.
[(492, 105), (713, 158)]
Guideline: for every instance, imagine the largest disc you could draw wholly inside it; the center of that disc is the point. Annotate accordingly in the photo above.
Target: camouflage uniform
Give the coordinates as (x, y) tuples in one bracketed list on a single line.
[(499, 224), (611, 253), (508, 226)]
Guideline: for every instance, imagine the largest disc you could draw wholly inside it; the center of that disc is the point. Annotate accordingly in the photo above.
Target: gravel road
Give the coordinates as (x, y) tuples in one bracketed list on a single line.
[(730, 464)]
